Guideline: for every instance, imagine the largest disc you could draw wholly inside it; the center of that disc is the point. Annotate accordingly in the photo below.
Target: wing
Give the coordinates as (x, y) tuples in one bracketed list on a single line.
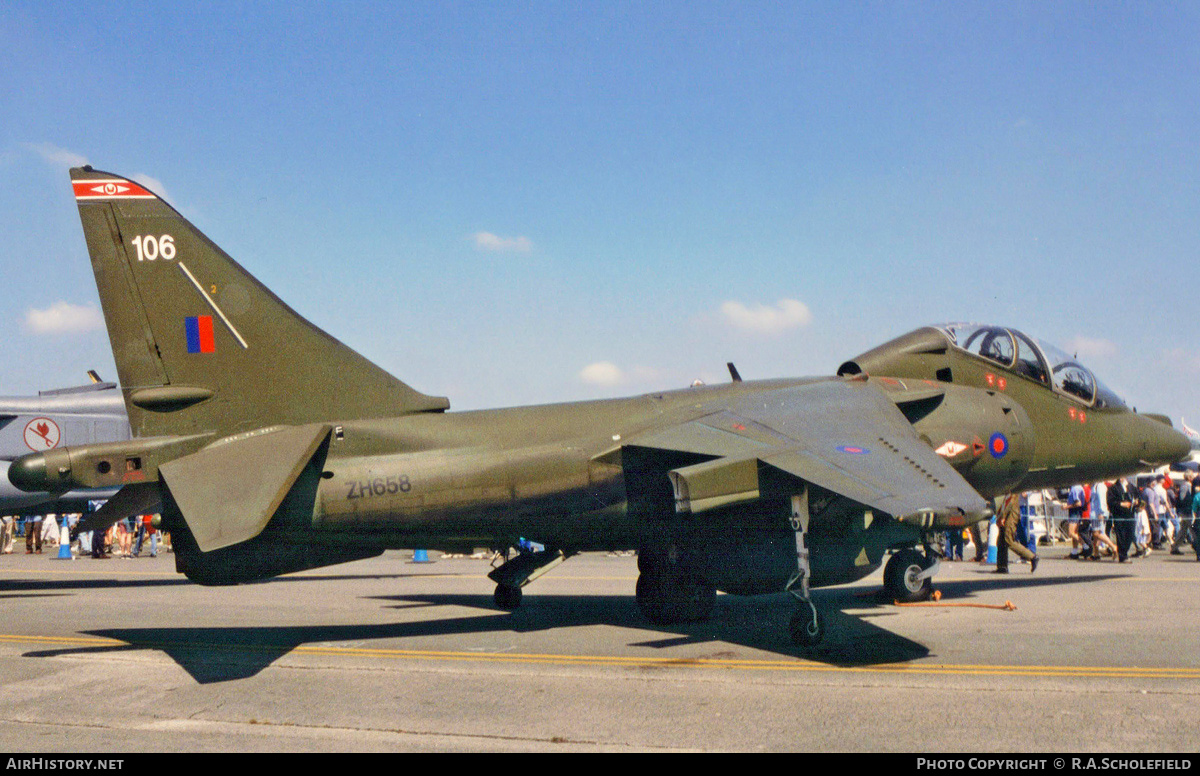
[(846, 436)]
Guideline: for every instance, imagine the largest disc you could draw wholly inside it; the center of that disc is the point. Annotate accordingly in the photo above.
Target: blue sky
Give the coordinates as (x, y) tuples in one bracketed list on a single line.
[(511, 203)]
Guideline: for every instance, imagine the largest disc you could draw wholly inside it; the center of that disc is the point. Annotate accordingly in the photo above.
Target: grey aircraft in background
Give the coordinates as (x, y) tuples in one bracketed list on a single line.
[(68, 416)]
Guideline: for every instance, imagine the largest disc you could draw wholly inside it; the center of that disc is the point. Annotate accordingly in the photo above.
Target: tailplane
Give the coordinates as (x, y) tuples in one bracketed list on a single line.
[(200, 345)]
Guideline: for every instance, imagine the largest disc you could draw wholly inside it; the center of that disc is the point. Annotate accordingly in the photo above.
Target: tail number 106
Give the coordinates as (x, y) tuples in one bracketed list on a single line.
[(150, 248)]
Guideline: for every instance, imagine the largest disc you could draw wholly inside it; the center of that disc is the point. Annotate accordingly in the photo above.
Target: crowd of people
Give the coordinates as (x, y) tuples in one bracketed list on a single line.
[(1122, 519), (125, 539), (1151, 513)]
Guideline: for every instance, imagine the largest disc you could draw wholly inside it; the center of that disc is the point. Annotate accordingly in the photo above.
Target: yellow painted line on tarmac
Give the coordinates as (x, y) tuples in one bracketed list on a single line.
[(615, 661)]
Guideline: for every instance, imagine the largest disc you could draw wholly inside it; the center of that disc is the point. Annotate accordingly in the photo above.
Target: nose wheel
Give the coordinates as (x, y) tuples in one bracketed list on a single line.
[(807, 626), (908, 576)]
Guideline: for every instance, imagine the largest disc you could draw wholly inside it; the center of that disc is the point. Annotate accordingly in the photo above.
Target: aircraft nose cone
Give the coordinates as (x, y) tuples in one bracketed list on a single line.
[(1167, 445), (29, 473), (1179, 448)]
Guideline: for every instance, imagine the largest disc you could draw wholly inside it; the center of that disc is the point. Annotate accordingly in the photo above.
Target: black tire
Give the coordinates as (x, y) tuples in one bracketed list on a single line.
[(699, 600), (507, 597), (648, 593), (666, 598), (900, 577), (807, 627)]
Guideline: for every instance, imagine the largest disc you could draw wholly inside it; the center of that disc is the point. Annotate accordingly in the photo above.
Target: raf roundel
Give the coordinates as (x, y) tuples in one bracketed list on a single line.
[(998, 445)]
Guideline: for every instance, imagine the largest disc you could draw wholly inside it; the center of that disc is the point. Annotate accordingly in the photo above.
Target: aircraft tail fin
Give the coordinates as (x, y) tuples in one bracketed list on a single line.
[(201, 345)]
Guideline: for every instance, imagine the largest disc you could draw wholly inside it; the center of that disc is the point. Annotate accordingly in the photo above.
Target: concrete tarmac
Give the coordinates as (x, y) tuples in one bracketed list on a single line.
[(387, 655)]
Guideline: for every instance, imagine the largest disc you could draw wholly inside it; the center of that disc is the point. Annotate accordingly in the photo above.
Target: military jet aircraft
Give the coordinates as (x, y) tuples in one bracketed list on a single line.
[(86, 414), (270, 447)]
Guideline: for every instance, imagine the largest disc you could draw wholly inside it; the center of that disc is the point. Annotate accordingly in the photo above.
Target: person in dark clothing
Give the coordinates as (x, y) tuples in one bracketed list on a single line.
[(1184, 509), (1122, 498)]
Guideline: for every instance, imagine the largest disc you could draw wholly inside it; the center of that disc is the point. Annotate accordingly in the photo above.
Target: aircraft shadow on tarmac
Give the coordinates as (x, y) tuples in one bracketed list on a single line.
[(24, 588), (229, 653), (224, 654), (13, 588)]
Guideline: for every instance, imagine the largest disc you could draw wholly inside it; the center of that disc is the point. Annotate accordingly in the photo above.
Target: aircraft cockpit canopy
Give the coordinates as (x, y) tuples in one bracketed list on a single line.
[(1033, 359)]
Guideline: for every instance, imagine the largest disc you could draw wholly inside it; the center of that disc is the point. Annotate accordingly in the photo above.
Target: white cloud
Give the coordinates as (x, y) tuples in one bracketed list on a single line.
[(606, 374), (761, 319), (59, 157), (154, 185), (486, 241), (63, 318), (602, 373)]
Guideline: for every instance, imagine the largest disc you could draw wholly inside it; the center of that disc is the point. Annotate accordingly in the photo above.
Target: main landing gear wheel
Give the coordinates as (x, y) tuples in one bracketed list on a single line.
[(902, 577), (667, 596), (668, 589), (507, 597), (807, 626)]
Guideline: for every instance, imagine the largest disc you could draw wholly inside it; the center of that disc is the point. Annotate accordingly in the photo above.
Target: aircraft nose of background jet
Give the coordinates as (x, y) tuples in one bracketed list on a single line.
[(29, 473)]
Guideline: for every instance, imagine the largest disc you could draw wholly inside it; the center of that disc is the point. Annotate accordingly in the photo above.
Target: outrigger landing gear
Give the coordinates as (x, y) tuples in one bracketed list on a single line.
[(507, 597), (908, 575), (514, 574), (807, 626)]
